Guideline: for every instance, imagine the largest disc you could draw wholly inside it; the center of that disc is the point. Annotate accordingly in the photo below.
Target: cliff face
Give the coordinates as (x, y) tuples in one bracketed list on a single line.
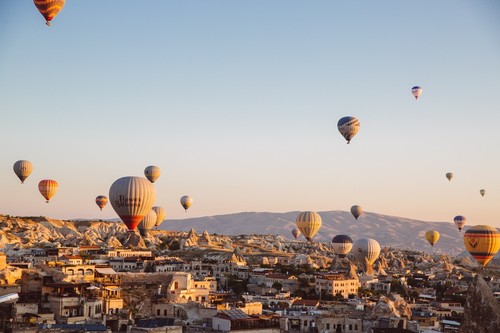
[(482, 310)]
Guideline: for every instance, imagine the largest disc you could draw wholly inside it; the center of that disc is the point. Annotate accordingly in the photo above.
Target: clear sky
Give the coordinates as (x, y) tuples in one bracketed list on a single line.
[(238, 103)]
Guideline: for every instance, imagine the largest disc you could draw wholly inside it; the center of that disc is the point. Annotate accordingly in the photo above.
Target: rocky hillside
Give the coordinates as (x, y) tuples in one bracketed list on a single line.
[(388, 230)]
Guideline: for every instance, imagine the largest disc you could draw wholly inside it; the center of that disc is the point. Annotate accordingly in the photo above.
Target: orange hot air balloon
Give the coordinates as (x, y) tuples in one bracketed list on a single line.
[(48, 188), (101, 201), (49, 8)]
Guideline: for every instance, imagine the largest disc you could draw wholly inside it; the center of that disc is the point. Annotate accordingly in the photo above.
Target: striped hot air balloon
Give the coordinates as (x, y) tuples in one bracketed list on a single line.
[(416, 91), (132, 198), (186, 202), (348, 127), (432, 237), (152, 173), (296, 233), (460, 221), (161, 214), (147, 223), (23, 169), (101, 201), (48, 188), (49, 8), (366, 249), (342, 245), (308, 223), (356, 211), (482, 242)]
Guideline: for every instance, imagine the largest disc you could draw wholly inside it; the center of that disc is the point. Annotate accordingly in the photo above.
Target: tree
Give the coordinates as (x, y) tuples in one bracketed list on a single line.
[(278, 286)]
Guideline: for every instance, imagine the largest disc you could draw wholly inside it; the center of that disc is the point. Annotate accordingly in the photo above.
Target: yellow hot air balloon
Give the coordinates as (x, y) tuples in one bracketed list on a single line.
[(147, 223), (432, 237), (308, 223), (101, 201), (186, 202), (48, 188), (49, 8), (161, 214), (132, 198), (23, 169), (449, 175), (482, 242), (152, 173)]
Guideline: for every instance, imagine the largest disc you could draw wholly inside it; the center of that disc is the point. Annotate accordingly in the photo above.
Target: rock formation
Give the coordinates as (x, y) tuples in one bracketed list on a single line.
[(481, 310)]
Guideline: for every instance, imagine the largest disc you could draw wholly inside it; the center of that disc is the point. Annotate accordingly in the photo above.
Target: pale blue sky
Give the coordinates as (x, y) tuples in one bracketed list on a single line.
[(238, 101)]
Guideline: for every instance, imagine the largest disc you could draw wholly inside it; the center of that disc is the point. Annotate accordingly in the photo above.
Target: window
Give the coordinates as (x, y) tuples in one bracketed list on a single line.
[(165, 312), (157, 312), (327, 326), (305, 322), (356, 327), (350, 327)]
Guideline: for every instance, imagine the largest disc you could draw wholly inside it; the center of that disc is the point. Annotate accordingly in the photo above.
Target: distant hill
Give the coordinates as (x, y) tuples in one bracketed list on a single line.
[(387, 230)]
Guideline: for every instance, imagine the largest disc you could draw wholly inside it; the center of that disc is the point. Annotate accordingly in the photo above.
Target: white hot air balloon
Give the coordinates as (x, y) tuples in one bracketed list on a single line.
[(416, 91), (161, 214), (147, 223), (366, 248), (186, 202), (132, 198), (23, 169), (152, 173)]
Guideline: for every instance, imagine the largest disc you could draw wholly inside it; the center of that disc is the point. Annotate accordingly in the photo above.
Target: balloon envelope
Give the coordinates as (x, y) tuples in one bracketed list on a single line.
[(366, 248), (482, 242), (348, 127), (186, 202), (132, 198), (101, 201), (147, 223), (48, 188), (459, 221), (296, 233), (49, 8), (482, 192), (416, 91), (23, 169), (356, 211), (432, 236), (449, 175), (152, 173), (308, 223), (342, 245), (161, 214)]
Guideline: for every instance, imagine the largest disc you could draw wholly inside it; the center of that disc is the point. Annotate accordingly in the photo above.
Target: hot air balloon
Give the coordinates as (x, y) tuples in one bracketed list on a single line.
[(449, 175), (296, 233), (152, 173), (101, 201), (482, 242), (147, 223), (356, 211), (186, 202), (416, 91), (49, 8), (482, 192), (348, 127), (432, 237), (366, 249), (48, 188), (342, 245), (132, 198), (308, 223), (460, 221), (23, 169), (161, 214)]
